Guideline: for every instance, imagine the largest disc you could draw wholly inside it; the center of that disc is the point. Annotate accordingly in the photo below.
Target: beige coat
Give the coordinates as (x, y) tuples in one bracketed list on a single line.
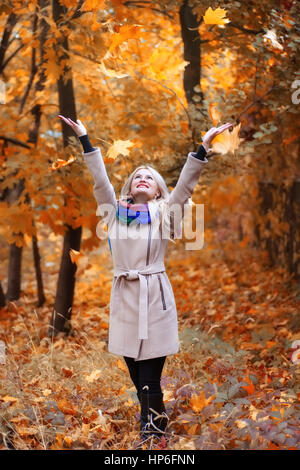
[(143, 315)]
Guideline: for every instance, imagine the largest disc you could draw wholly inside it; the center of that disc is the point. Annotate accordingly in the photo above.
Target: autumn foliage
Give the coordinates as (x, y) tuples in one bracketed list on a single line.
[(147, 92)]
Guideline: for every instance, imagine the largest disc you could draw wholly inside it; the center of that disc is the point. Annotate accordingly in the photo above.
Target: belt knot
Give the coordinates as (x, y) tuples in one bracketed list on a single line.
[(132, 274)]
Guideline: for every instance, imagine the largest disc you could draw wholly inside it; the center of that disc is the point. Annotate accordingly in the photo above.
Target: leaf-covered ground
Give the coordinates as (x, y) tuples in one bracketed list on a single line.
[(233, 385)]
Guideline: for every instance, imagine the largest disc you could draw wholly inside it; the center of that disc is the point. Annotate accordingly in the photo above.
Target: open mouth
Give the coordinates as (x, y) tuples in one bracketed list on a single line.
[(142, 185)]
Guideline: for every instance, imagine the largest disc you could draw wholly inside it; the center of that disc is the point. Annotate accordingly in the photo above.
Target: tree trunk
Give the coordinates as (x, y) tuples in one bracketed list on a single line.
[(14, 272), (36, 112), (15, 252), (192, 72), (2, 297), (60, 320)]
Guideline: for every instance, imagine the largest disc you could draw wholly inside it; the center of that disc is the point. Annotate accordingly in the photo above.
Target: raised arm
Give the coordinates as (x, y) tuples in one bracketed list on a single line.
[(103, 190), (189, 176), (192, 170)]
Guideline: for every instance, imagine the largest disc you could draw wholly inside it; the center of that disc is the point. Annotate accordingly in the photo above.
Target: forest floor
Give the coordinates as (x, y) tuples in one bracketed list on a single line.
[(234, 384)]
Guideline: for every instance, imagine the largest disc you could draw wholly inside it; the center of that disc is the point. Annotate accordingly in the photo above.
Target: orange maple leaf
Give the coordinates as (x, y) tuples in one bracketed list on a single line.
[(60, 163), (198, 402), (215, 16), (124, 33)]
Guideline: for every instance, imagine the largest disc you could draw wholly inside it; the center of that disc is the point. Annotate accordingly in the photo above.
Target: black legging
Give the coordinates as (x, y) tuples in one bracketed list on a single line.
[(146, 372)]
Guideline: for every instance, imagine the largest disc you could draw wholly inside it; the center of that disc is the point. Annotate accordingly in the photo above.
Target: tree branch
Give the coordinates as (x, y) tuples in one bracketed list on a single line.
[(245, 30), (14, 141), (136, 4), (255, 101)]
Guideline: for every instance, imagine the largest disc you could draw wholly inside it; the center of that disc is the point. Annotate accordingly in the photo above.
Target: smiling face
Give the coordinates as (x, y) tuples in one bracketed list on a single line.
[(143, 186)]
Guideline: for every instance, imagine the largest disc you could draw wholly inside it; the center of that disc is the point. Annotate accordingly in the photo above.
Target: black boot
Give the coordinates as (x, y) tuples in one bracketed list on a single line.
[(154, 418)]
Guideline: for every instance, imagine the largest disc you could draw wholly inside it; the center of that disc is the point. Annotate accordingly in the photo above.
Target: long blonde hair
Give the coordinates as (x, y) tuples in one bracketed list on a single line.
[(160, 203)]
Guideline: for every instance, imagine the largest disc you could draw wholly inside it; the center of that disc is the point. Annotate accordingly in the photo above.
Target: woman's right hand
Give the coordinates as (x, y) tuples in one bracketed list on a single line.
[(78, 127)]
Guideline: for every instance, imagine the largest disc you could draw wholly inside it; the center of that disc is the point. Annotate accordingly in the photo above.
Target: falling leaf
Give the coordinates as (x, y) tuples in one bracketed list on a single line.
[(59, 163), (215, 16), (227, 142), (75, 255), (119, 147), (271, 34)]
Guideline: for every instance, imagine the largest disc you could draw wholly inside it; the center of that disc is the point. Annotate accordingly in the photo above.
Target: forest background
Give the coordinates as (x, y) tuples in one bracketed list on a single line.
[(148, 79)]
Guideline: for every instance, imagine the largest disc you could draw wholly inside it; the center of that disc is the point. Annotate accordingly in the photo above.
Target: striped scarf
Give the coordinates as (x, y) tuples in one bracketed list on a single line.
[(127, 212)]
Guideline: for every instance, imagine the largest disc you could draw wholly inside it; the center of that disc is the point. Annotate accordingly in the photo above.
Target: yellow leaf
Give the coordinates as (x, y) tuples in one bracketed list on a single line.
[(46, 392), (119, 147), (227, 142), (215, 16)]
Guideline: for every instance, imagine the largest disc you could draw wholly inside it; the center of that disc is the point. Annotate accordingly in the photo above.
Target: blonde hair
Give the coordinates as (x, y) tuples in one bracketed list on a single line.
[(160, 203)]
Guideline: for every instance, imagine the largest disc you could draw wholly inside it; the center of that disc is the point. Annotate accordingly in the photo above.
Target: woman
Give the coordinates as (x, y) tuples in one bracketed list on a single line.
[(143, 317)]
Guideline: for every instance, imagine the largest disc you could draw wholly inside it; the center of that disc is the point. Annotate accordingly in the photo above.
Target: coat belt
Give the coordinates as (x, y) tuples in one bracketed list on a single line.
[(141, 273)]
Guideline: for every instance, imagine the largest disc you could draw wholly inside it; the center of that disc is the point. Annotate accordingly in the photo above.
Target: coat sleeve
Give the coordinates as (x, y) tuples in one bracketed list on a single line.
[(103, 190), (187, 180), (184, 188)]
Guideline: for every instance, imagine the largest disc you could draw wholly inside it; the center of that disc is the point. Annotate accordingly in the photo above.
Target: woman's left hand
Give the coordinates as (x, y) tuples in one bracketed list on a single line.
[(211, 134)]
